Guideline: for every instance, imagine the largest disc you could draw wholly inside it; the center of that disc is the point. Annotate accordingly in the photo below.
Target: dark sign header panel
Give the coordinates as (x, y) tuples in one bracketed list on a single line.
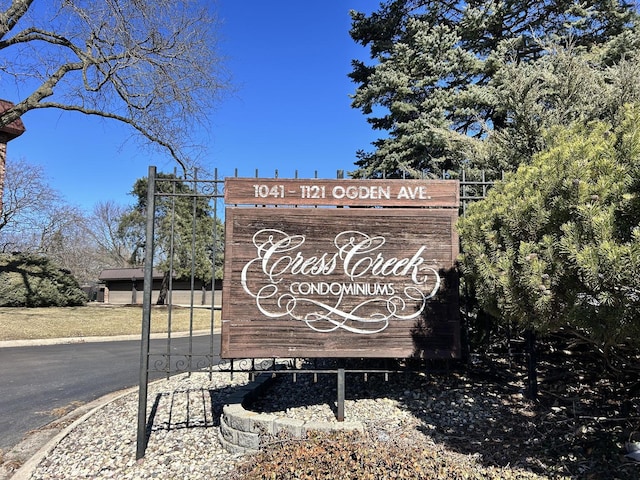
[(365, 193), (340, 282)]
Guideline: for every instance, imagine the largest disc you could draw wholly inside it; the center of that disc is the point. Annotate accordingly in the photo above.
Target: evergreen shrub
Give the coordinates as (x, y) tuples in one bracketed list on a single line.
[(556, 245), (28, 280)]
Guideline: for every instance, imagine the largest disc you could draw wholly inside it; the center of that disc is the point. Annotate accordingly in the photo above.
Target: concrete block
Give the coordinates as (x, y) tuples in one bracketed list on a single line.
[(228, 433), (293, 427), (248, 440), (263, 423), (319, 427), (231, 447), (240, 420), (230, 412)]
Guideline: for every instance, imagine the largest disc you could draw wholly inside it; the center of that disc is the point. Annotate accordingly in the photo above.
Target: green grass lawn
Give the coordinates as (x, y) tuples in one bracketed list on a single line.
[(94, 320)]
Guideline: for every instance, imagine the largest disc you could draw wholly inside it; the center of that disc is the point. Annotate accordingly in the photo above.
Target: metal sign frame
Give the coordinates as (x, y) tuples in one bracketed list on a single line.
[(164, 357)]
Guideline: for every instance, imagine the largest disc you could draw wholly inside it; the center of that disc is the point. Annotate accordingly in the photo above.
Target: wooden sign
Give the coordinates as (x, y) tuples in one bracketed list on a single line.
[(365, 193), (339, 282)]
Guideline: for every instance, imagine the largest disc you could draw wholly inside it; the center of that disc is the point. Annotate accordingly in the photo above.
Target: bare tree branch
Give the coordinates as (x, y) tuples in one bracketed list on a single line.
[(12, 15), (128, 120), (27, 198), (151, 65), (104, 229)]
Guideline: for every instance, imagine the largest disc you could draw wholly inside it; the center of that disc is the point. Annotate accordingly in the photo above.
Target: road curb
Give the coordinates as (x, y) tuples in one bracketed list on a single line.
[(82, 413), (117, 338), (36, 445)]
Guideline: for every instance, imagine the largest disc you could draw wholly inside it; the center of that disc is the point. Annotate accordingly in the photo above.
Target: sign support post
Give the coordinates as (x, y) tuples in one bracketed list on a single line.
[(341, 394)]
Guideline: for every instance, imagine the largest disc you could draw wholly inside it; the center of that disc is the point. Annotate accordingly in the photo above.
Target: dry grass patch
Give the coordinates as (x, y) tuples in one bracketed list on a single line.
[(62, 411), (356, 456), (94, 320)]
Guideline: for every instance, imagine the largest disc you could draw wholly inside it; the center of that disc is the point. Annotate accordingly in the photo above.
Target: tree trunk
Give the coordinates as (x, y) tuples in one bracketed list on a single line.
[(164, 289)]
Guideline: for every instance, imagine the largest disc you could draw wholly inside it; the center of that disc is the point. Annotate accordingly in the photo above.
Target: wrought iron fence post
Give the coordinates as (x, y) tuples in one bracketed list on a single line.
[(146, 317)]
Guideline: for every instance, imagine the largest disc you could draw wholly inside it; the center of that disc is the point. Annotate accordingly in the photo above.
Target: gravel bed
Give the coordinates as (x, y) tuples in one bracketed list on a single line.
[(184, 434), (183, 441), (471, 416)]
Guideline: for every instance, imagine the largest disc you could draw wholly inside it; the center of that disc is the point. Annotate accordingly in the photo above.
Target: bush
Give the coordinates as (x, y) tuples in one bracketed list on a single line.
[(34, 281), (556, 245), (352, 455)]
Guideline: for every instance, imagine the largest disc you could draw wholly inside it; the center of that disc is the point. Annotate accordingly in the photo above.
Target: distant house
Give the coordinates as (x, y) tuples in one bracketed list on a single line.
[(122, 286), (14, 129), (125, 286), (7, 133)]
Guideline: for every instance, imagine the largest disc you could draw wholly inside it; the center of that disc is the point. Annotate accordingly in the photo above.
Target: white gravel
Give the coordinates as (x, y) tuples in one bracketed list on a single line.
[(183, 441), (184, 433)]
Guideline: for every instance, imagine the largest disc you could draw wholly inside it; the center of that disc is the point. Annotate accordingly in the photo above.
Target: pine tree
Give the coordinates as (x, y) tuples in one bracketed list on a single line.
[(189, 240), (557, 244), (437, 69)]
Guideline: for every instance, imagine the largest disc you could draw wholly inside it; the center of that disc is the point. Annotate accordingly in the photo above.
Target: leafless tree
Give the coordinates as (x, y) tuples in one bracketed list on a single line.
[(37, 220), (104, 228), (28, 199), (63, 236), (150, 64)]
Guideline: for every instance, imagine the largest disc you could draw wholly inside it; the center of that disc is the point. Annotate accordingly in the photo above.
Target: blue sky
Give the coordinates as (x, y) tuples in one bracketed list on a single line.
[(290, 110)]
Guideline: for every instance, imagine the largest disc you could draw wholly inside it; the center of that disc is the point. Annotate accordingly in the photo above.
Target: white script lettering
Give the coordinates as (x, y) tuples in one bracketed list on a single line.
[(280, 278)]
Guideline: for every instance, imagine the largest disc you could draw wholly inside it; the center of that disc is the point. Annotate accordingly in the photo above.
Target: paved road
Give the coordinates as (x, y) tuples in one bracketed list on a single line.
[(36, 380)]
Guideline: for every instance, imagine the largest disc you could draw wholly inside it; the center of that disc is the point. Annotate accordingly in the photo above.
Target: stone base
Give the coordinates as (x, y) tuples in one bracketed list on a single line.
[(242, 430)]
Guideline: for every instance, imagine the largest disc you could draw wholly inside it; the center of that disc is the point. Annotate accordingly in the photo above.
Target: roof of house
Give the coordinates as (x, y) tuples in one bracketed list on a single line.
[(127, 274), (15, 128)]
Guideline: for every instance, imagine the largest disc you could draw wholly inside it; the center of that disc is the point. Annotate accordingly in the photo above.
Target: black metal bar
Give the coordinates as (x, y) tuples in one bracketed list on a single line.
[(192, 275), (146, 317), (170, 291), (341, 391), (214, 255)]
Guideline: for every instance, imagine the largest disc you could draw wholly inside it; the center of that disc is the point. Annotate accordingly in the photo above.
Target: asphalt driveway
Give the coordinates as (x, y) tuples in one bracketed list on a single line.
[(40, 382)]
